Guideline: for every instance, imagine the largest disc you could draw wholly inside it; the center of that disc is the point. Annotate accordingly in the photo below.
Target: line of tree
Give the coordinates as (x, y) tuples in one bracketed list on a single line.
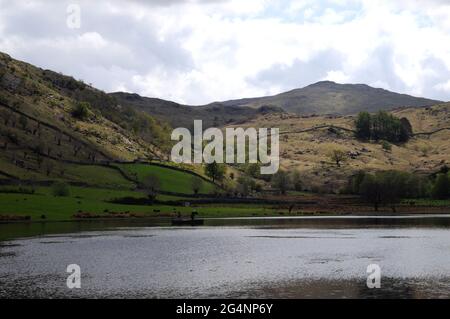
[(388, 188), (382, 126), (284, 181)]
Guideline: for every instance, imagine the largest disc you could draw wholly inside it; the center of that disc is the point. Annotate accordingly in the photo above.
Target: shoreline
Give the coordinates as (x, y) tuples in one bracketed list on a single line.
[(424, 212)]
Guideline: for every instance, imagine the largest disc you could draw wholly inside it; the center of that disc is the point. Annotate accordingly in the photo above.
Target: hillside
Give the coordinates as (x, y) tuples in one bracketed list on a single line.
[(332, 98), (306, 141), (179, 115), (41, 137)]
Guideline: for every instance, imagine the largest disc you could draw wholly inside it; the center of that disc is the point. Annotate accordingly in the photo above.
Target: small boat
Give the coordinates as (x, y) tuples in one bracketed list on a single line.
[(187, 222)]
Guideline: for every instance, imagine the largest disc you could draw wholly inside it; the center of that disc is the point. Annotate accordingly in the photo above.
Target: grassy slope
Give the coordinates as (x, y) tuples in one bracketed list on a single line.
[(308, 152), (171, 180), (49, 97), (98, 175)]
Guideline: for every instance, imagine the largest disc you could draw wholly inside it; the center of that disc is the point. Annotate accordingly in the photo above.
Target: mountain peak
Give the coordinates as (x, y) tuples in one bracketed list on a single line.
[(328, 97), (325, 83)]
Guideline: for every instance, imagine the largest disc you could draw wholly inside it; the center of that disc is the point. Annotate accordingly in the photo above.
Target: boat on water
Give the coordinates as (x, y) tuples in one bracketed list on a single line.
[(180, 221)]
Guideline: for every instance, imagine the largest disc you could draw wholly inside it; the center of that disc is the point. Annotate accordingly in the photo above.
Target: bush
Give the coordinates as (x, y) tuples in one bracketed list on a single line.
[(386, 145), (60, 189), (81, 110)]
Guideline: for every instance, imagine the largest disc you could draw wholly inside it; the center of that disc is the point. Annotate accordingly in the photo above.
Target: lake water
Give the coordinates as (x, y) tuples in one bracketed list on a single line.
[(259, 258)]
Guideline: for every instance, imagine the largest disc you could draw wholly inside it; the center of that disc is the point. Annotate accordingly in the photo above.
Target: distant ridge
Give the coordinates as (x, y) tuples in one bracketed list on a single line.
[(214, 114), (327, 97)]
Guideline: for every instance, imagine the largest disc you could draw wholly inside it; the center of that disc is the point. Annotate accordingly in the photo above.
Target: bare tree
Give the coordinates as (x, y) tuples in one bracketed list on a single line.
[(152, 185), (338, 156)]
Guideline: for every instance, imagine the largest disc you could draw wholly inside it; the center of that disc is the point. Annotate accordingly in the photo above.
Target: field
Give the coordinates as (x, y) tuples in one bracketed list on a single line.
[(105, 184), (171, 180), (94, 200)]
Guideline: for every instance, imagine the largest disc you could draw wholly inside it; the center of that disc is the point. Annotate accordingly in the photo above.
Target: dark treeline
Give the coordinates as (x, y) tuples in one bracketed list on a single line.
[(388, 188), (382, 126)]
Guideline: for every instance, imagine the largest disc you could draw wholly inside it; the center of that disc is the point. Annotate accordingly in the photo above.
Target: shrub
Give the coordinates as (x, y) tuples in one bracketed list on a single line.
[(386, 145), (81, 110), (60, 189)]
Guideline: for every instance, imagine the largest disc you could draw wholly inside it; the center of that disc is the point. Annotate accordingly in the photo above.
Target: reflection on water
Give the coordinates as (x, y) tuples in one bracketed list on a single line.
[(302, 258)]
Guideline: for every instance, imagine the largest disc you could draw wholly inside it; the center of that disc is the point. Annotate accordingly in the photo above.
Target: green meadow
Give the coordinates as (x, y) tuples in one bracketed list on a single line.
[(171, 180)]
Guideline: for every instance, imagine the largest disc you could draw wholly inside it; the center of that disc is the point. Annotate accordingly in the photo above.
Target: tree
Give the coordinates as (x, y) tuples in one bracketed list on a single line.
[(60, 189), (151, 184), (337, 156), (371, 190), (394, 185), (441, 187), (416, 186), (196, 184), (296, 180), (384, 188), (215, 171), (281, 181), (356, 181), (382, 126), (406, 129), (363, 126)]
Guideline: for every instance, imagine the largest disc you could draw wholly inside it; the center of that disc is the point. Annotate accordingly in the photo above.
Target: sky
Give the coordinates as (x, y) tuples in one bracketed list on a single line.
[(197, 52)]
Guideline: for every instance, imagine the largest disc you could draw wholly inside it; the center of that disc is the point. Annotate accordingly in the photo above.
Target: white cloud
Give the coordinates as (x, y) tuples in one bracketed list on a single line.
[(200, 51), (445, 86)]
